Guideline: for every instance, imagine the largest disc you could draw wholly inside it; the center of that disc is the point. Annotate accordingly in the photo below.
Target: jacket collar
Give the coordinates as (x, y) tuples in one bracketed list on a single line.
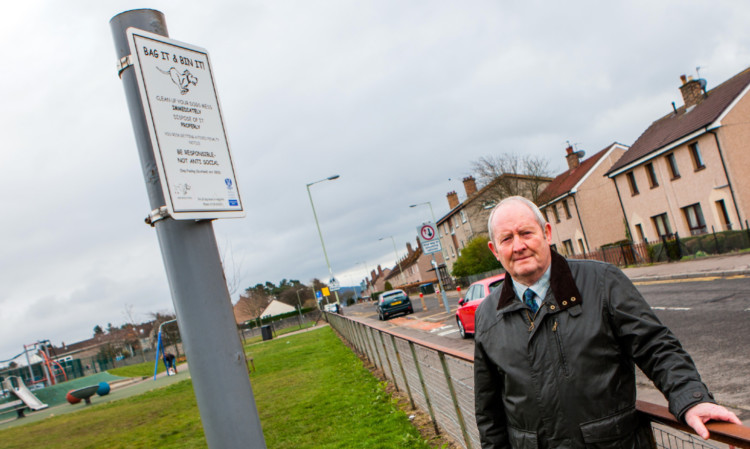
[(562, 284)]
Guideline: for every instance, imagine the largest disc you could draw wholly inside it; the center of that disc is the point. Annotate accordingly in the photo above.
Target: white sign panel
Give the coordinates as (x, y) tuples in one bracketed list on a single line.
[(186, 127), (428, 238), (334, 285)]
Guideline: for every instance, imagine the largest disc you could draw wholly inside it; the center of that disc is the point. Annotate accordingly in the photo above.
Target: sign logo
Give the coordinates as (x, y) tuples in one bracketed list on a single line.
[(181, 80), (228, 182), (427, 232)]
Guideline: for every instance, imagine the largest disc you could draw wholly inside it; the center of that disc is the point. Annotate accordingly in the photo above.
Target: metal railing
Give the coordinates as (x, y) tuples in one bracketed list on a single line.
[(440, 381)]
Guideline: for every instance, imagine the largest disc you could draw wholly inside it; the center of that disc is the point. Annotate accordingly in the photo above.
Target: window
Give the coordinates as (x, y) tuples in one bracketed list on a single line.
[(695, 153), (581, 246), (639, 230), (632, 184), (554, 247), (723, 215), (568, 245), (544, 212), (652, 181), (661, 223), (566, 208), (463, 217), (672, 164), (554, 212), (694, 218)]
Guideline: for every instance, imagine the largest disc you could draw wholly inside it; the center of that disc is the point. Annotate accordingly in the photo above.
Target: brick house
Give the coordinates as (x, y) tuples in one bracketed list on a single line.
[(684, 174), (468, 219), (581, 203), (417, 269)]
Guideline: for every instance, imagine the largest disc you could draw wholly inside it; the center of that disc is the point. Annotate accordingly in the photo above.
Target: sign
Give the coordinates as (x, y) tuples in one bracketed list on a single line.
[(334, 285), (318, 294), (326, 292), (428, 238), (186, 127)]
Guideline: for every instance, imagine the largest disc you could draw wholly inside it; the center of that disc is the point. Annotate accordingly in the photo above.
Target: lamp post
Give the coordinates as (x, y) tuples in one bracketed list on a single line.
[(398, 261), (330, 178)]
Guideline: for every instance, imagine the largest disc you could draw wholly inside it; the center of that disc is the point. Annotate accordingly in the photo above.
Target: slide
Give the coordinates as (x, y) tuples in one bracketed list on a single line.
[(23, 393)]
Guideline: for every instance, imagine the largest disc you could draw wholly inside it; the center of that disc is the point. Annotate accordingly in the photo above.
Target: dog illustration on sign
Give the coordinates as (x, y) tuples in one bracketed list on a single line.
[(182, 80)]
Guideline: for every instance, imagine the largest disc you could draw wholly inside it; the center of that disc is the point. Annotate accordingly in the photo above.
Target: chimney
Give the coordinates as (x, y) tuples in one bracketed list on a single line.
[(380, 271), (573, 160), (470, 185), (452, 199), (408, 249), (692, 91)]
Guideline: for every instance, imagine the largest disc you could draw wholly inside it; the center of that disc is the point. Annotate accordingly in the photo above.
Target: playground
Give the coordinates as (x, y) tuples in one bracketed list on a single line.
[(311, 392)]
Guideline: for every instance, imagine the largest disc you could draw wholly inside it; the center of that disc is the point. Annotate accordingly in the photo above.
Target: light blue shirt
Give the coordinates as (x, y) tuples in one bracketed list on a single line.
[(540, 287)]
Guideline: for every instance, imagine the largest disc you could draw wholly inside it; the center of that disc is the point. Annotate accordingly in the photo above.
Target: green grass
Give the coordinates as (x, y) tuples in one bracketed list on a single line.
[(259, 338), (311, 392), (145, 369)]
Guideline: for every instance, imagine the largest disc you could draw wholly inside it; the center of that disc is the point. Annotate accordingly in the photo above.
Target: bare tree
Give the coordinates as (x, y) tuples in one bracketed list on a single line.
[(132, 330), (510, 174), (232, 267)]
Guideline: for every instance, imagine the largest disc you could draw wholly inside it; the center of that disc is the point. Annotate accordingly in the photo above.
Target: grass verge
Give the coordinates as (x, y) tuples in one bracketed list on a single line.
[(311, 392)]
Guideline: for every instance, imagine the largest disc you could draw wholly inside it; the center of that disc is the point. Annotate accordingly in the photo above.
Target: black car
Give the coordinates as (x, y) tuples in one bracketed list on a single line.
[(393, 302)]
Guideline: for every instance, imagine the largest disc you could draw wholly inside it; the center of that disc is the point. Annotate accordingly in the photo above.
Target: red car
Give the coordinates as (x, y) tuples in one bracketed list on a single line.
[(475, 294)]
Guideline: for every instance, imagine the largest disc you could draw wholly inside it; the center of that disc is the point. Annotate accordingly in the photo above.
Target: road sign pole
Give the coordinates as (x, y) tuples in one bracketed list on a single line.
[(440, 283), (204, 310)]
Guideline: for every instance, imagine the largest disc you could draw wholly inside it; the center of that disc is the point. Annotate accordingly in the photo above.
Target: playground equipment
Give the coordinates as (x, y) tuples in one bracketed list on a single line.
[(160, 348), (53, 371), (25, 398), (85, 393)]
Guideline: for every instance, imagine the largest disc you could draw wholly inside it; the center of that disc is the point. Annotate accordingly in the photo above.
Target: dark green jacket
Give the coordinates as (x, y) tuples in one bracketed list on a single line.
[(569, 381)]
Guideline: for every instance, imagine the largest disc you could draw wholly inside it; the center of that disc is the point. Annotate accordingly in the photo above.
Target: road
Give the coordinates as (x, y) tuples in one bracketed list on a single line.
[(710, 316)]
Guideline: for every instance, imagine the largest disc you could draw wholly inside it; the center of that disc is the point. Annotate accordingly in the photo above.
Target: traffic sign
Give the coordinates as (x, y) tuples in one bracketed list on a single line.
[(428, 238), (334, 285)]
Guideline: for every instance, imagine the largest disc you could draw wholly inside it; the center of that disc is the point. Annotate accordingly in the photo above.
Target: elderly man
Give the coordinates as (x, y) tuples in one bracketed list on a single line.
[(555, 349)]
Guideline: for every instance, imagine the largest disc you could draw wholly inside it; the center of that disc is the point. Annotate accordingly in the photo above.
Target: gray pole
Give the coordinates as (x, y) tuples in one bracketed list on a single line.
[(320, 234), (199, 292), (440, 283)]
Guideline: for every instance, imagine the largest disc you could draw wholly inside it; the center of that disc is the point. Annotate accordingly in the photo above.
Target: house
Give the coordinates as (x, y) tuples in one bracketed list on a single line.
[(416, 268), (468, 219), (684, 174), (277, 308), (376, 282), (581, 203)]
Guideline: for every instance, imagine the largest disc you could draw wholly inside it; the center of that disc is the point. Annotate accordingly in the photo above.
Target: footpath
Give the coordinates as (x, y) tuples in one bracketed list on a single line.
[(714, 266)]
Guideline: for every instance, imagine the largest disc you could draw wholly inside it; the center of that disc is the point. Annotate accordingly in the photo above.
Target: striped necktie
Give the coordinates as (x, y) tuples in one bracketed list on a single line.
[(528, 299)]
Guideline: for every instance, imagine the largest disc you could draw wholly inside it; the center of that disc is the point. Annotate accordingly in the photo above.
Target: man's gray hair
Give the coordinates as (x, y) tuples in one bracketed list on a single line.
[(516, 199)]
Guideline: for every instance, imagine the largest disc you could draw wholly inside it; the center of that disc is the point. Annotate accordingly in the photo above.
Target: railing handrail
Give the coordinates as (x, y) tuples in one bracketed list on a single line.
[(724, 432)]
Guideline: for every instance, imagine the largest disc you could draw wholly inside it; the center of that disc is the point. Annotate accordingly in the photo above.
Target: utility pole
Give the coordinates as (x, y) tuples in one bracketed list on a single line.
[(218, 365)]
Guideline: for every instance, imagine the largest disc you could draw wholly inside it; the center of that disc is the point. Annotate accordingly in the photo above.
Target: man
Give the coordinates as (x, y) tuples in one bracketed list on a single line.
[(554, 366)]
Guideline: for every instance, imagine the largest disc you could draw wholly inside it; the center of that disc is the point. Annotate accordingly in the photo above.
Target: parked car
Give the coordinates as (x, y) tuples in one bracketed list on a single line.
[(393, 302), (475, 294)]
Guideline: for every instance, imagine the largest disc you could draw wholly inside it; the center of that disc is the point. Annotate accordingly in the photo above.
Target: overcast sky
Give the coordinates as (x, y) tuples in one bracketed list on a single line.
[(397, 97)]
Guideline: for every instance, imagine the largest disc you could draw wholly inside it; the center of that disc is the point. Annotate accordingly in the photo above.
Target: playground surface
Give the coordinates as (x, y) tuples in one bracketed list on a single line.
[(120, 388)]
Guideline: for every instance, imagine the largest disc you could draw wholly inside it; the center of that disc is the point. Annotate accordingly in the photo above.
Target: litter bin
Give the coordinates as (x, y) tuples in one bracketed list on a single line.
[(265, 331), (427, 288)]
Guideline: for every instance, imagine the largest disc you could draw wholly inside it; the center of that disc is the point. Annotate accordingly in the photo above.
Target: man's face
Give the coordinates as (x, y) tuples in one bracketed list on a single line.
[(520, 244)]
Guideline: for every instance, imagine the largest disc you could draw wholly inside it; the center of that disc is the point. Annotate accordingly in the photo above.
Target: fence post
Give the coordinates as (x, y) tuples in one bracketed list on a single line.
[(377, 351), (388, 359), (403, 372), (368, 336), (365, 347), (358, 338), (424, 387), (716, 240), (459, 415)]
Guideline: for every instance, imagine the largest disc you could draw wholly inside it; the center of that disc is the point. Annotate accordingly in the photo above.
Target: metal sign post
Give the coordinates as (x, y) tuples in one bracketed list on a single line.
[(428, 238), (204, 310)]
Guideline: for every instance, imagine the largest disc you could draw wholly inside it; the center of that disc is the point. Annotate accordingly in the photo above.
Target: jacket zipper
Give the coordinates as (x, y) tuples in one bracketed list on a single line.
[(563, 360)]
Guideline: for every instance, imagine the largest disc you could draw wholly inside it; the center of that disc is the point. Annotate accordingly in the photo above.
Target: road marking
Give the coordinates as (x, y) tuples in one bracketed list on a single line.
[(676, 281), (441, 328), (671, 308), (452, 331)]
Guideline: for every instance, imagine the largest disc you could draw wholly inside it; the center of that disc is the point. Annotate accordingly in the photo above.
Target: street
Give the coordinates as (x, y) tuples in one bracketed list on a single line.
[(709, 315)]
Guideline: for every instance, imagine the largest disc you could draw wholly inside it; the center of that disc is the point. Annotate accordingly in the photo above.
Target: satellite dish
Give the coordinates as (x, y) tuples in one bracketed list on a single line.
[(580, 154)]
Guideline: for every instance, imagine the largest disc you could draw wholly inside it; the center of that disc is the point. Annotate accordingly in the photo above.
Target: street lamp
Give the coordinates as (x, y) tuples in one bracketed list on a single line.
[(330, 178), (395, 252)]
